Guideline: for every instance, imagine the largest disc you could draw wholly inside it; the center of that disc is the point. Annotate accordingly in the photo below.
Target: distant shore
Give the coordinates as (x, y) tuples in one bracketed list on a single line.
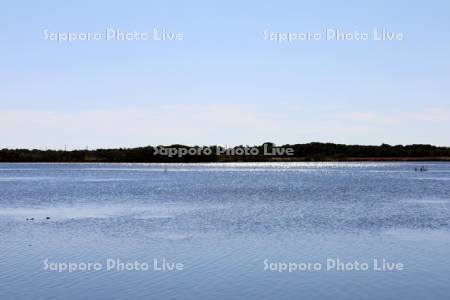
[(267, 152)]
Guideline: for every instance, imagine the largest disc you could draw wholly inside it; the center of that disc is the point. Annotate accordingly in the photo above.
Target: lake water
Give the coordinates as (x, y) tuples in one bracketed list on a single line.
[(232, 228)]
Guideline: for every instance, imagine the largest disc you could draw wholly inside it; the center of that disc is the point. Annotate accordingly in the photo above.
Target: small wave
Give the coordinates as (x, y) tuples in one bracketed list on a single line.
[(431, 178), (430, 201)]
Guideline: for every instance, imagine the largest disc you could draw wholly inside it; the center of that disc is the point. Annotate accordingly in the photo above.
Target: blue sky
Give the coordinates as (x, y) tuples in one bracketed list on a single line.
[(223, 83)]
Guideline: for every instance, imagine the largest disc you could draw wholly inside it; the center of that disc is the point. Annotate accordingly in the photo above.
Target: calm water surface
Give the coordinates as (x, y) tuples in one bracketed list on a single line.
[(222, 221)]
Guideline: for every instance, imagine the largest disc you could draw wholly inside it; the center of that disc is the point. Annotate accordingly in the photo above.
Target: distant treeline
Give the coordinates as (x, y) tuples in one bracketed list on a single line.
[(300, 152)]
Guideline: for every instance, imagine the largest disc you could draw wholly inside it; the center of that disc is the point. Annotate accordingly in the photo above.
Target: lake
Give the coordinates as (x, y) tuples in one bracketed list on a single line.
[(225, 231)]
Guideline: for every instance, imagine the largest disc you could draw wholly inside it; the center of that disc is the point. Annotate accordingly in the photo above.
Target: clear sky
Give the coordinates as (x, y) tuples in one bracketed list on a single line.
[(223, 83)]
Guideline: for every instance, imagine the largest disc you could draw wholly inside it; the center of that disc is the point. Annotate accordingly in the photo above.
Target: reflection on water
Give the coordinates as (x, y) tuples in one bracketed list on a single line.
[(222, 221)]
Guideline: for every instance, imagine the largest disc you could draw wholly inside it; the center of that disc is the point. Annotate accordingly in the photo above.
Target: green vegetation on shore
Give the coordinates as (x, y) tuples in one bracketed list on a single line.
[(301, 152)]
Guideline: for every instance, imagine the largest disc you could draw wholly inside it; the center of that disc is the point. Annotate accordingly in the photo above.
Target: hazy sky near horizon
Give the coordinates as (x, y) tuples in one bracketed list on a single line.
[(223, 83)]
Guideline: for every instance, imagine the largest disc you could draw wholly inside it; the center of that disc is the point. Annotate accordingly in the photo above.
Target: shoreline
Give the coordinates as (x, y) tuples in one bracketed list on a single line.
[(349, 160), (267, 152)]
